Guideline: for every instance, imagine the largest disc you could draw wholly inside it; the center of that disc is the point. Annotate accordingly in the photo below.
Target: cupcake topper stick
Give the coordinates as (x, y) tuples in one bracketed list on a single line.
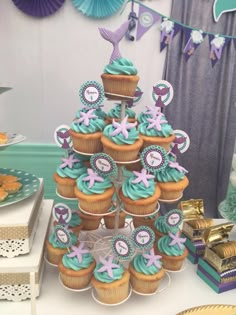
[(115, 38)]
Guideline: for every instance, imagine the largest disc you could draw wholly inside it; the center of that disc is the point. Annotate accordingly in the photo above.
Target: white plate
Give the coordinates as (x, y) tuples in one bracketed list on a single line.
[(171, 201), (13, 138)]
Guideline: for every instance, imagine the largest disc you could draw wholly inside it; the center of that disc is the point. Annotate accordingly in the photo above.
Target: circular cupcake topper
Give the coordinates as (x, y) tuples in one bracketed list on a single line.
[(143, 237), (181, 142), (162, 93), (62, 137), (91, 94), (61, 213), (63, 236), (122, 247), (137, 96), (174, 218), (103, 165), (154, 158)]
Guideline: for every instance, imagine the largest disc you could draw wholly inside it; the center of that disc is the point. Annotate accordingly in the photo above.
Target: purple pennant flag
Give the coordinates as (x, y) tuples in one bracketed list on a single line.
[(168, 31), (146, 19), (193, 39), (235, 43), (217, 45)]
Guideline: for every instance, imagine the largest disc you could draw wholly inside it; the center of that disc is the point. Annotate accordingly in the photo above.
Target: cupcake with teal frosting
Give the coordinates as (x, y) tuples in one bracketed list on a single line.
[(161, 228), (111, 281), (172, 180), (67, 173), (94, 192), (121, 140), (86, 131), (173, 251), (154, 129), (139, 193), (76, 267), (56, 249), (146, 272), (115, 113)]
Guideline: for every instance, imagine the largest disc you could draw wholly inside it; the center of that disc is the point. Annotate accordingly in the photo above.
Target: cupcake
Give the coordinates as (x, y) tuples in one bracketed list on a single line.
[(171, 248), (94, 192), (146, 272), (115, 113), (66, 175), (161, 228), (86, 131), (55, 249), (109, 220), (121, 141), (120, 76), (90, 222), (155, 130), (146, 221), (172, 180), (139, 193), (110, 281), (76, 267)]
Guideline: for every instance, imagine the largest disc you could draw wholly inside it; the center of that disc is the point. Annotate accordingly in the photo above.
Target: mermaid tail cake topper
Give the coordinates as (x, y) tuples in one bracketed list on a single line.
[(115, 38)]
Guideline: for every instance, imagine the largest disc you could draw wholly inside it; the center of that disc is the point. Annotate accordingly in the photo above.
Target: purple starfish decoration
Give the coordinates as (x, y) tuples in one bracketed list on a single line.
[(131, 102), (156, 122), (78, 252), (176, 240), (153, 111), (92, 178), (85, 117), (177, 166), (115, 38), (69, 161), (143, 177), (122, 127), (108, 265), (160, 92), (152, 259)]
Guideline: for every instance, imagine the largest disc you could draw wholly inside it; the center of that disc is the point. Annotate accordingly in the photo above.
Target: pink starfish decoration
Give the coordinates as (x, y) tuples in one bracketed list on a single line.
[(153, 259), (176, 240), (153, 111), (85, 117), (143, 177), (69, 161), (122, 127), (156, 122), (177, 166), (78, 252), (107, 265), (92, 178)]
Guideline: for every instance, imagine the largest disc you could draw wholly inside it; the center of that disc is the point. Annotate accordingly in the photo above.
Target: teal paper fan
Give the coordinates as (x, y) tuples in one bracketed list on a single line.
[(99, 9)]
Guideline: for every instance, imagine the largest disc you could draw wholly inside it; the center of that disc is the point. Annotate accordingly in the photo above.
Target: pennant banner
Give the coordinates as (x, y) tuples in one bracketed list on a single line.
[(217, 45), (168, 30), (146, 19), (193, 39)]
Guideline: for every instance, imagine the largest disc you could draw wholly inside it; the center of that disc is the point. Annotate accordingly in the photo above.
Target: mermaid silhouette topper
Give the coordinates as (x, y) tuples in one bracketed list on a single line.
[(115, 38)]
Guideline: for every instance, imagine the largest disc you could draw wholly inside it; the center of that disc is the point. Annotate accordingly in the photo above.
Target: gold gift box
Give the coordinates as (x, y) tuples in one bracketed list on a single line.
[(192, 209), (192, 233), (216, 235)]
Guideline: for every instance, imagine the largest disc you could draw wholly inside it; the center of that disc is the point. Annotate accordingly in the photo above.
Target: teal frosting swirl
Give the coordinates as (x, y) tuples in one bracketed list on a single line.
[(56, 244), (142, 117), (115, 112), (162, 227), (164, 247), (166, 129), (74, 172), (104, 276), (74, 264), (75, 220), (98, 188), (140, 265), (138, 190), (169, 174), (121, 66), (95, 125), (120, 139)]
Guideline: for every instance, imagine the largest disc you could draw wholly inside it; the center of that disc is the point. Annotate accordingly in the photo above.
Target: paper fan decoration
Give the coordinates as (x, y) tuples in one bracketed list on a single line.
[(98, 8), (38, 8)]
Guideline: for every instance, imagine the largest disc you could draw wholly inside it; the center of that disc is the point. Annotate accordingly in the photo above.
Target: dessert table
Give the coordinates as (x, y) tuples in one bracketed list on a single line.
[(186, 290)]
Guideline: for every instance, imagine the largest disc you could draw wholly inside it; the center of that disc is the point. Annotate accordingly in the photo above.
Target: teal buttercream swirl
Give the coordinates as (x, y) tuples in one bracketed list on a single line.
[(161, 226), (95, 125), (75, 220), (142, 117), (115, 112), (104, 276), (74, 172), (169, 174), (56, 244), (164, 247), (166, 129), (138, 190), (140, 265), (120, 138), (98, 188), (98, 111), (74, 264), (121, 66)]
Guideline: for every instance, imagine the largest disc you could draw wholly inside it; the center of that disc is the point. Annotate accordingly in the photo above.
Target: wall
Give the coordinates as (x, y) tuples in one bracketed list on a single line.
[(46, 61)]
